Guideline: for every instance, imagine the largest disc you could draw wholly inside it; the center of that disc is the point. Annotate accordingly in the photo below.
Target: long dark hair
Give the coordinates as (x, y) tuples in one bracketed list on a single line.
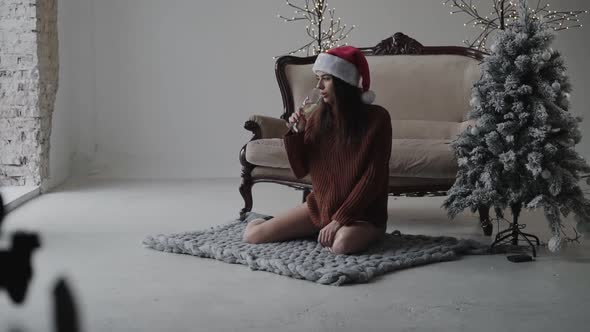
[(352, 115)]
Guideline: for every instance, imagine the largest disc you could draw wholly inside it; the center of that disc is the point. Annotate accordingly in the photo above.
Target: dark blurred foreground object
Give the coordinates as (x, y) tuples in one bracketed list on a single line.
[(15, 265), (16, 273), (65, 314)]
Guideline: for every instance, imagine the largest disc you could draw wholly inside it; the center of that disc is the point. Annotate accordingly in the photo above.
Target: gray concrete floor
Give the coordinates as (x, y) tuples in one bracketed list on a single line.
[(92, 231)]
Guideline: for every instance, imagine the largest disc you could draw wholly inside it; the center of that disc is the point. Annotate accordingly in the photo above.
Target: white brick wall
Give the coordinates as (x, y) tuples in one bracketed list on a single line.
[(28, 86)]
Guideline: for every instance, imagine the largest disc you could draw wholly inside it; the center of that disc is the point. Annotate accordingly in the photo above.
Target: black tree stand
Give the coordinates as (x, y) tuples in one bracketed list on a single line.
[(513, 233)]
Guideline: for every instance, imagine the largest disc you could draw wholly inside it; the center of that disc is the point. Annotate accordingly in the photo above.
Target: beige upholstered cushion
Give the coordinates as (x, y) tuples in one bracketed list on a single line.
[(267, 152), (410, 158), (270, 127), (424, 87), (422, 158)]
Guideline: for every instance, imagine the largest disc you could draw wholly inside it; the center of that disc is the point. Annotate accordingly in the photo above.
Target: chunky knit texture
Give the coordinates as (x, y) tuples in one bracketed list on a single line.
[(307, 259), (350, 182)]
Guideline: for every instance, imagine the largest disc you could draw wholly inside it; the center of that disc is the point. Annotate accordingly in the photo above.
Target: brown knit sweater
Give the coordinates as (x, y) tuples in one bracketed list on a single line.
[(350, 183)]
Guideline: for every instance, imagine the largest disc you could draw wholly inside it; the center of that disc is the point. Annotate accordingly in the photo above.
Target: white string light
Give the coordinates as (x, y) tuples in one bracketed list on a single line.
[(328, 35), (557, 20)]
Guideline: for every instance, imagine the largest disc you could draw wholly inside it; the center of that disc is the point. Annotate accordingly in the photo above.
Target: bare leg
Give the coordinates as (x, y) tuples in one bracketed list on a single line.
[(291, 224), (356, 237)]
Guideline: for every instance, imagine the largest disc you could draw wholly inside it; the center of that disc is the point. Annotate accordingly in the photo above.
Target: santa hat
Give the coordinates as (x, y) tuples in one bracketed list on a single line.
[(348, 64)]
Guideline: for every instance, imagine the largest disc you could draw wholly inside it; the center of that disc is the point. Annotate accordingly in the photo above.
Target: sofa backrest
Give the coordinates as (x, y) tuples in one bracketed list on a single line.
[(427, 94)]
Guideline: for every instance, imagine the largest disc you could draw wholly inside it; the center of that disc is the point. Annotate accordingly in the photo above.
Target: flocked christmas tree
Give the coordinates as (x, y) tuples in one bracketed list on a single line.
[(520, 151)]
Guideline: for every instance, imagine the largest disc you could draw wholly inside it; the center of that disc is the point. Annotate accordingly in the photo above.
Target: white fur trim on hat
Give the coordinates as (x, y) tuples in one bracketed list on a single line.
[(368, 97), (336, 66)]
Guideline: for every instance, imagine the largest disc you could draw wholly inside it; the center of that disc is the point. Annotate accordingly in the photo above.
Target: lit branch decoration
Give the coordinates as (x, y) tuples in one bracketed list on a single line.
[(324, 35), (504, 12)]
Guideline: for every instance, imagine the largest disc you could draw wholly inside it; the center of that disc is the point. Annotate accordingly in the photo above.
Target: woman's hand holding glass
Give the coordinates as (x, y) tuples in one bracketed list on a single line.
[(298, 120)]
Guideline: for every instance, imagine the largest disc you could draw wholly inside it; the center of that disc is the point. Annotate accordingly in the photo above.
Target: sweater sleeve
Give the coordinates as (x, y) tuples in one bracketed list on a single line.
[(296, 153), (375, 176)]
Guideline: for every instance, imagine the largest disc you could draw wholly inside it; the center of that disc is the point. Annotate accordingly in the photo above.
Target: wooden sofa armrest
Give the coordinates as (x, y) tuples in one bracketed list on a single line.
[(266, 127)]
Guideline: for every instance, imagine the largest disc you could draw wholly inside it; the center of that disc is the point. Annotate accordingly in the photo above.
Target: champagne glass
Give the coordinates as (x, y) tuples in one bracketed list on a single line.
[(309, 104)]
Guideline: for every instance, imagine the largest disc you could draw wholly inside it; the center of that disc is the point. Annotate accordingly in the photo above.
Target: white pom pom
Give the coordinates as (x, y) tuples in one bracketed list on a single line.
[(546, 56), (474, 131), (554, 244), (474, 101), (556, 86), (567, 96), (368, 97), (545, 174)]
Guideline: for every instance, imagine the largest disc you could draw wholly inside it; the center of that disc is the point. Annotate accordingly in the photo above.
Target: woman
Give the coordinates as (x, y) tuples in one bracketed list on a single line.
[(345, 146)]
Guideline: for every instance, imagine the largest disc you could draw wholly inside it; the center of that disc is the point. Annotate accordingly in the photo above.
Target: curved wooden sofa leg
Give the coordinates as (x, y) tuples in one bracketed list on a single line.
[(247, 183), (246, 191)]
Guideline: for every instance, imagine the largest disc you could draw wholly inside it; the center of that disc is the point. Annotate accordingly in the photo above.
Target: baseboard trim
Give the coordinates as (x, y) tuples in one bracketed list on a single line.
[(15, 196)]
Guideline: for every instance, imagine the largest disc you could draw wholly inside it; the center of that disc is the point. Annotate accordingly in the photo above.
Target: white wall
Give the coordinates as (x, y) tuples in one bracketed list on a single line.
[(162, 88), (61, 140), (73, 127)]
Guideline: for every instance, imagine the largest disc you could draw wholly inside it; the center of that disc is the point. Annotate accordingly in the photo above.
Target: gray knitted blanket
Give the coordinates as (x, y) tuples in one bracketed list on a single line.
[(307, 259)]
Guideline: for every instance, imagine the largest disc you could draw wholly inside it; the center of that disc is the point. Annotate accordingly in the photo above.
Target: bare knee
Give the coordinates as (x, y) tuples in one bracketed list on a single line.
[(253, 233), (251, 237), (355, 239), (341, 246)]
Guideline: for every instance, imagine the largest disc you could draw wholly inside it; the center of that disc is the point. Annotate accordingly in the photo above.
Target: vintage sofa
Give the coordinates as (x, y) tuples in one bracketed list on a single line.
[(426, 89)]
